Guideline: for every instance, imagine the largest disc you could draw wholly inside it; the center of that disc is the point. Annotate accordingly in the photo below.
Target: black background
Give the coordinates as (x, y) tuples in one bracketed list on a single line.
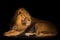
[(42, 10)]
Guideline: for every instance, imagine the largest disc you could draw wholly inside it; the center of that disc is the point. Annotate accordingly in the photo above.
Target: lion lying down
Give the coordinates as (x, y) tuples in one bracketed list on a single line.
[(23, 22)]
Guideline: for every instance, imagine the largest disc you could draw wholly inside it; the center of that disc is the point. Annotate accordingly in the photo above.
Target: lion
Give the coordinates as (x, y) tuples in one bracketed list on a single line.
[(24, 22)]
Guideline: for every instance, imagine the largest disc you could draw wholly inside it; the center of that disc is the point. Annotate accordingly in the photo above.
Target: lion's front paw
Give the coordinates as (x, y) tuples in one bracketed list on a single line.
[(11, 33)]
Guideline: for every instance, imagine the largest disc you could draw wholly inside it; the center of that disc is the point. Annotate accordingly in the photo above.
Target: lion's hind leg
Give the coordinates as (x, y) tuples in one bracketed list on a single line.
[(42, 30)]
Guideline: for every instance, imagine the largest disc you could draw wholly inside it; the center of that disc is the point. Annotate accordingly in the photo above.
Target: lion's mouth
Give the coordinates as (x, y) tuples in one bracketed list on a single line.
[(23, 22)]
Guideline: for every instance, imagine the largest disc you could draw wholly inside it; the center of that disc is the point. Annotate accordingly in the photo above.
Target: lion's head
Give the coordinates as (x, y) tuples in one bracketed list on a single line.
[(22, 19)]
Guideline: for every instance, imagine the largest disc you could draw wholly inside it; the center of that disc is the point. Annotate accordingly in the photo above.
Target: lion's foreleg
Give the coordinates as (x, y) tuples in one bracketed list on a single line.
[(13, 33)]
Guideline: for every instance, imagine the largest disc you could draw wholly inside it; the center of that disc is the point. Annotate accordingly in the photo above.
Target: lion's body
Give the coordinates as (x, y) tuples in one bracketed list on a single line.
[(24, 21)]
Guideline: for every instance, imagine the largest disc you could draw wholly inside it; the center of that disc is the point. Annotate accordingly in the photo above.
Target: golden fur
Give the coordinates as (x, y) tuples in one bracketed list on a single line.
[(19, 27)]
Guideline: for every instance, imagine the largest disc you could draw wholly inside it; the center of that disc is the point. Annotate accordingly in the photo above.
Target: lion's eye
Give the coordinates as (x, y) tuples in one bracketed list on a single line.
[(28, 20)]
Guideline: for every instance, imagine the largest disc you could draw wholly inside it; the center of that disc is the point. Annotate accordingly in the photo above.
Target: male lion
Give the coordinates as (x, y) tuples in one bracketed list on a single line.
[(23, 22)]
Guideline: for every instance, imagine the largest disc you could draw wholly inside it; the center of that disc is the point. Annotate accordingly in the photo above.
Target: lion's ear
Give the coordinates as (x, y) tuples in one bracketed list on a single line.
[(21, 10)]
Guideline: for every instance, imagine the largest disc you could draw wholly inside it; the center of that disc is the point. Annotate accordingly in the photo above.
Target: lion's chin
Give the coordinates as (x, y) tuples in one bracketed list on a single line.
[(11, 33)]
